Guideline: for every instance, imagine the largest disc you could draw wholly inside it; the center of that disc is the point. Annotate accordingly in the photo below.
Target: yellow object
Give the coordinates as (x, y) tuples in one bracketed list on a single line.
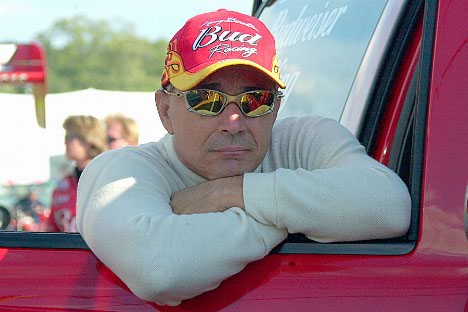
[(39, 92)]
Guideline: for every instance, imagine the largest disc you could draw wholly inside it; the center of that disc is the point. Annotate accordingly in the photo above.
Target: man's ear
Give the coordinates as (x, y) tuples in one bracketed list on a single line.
[(162, 104)]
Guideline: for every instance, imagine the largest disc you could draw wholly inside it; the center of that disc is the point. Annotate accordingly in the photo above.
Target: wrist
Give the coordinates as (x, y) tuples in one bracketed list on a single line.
[(232, 192)]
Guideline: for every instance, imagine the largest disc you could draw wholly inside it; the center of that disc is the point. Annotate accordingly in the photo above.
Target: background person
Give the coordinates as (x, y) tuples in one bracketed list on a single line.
[(85, 138), (224, 187), (121, 131), (30, 213), (30, 206)]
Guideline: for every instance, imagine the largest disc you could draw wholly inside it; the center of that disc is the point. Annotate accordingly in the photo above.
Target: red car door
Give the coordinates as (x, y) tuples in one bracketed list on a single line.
[(414, 122)]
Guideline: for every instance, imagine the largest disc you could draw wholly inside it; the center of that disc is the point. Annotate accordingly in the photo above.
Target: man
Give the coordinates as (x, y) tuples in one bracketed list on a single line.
[(173, 219), (121, 131)]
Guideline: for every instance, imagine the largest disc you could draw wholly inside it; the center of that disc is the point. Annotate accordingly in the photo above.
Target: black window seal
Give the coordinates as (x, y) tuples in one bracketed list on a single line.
[(41, 240), (421, 107), (404, 129), (260, 5), (255, 7), (352, 248), (401, 154)]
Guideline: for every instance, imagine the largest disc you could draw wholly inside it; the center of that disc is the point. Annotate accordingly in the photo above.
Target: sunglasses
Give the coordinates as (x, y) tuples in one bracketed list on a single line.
[(111, 139), (71, 136), (210, 102)]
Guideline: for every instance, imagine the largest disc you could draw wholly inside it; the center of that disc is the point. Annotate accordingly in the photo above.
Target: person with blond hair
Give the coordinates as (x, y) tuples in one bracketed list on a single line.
[(121, 131), (85, 138)]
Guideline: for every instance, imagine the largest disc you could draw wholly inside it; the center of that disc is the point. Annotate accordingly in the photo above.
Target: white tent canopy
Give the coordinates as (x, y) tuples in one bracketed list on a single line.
[(26, 148)]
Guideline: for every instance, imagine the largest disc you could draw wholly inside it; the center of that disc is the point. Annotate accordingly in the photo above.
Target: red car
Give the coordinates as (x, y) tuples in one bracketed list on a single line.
[(406, 100)]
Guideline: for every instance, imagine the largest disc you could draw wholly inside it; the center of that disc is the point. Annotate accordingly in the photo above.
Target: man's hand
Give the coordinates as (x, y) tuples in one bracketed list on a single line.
[(210, 196)]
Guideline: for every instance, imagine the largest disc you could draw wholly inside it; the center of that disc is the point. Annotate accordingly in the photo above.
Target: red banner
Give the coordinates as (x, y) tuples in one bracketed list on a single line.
[(23, 64)]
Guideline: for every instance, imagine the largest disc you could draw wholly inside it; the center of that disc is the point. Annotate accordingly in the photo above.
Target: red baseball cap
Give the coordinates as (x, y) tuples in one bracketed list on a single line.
[(211, 41)]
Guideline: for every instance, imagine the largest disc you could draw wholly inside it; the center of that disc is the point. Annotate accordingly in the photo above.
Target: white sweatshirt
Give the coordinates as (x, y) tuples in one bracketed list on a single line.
[(316, 179)]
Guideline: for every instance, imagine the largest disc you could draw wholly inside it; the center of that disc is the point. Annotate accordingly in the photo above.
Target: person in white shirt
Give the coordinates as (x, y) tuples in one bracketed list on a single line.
[(174, 218)]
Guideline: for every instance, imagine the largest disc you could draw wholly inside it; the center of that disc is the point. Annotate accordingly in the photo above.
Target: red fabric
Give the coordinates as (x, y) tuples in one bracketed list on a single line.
[(63, 209), (215, 37)]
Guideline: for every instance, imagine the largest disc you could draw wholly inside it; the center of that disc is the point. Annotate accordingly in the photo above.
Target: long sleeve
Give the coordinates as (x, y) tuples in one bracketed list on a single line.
[(331, 190), (124, 217)]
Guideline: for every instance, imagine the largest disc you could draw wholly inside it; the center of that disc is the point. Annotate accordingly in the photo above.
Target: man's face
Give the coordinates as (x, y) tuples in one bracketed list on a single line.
[(229, 143)]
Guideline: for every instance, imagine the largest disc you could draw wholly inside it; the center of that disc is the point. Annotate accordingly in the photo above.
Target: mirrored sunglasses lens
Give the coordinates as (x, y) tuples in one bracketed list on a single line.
[(257, 103), (205, 102)]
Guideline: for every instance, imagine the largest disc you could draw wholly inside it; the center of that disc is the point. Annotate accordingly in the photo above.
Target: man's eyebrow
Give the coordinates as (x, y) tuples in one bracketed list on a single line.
[(213, 86)]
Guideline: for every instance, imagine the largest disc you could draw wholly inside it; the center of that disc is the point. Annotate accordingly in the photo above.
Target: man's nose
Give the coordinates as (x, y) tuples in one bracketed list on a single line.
[(232, 119)]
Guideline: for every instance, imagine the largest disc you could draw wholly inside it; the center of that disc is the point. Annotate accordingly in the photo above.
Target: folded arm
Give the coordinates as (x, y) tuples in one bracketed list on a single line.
[(331, 191), (125, 217), (211, 196)]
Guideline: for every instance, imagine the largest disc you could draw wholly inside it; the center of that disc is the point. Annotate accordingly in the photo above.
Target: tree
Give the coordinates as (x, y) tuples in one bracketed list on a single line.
[(82, 53)]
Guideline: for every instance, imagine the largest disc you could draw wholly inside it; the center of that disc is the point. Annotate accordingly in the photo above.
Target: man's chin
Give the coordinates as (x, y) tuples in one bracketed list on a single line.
[(230, 169)]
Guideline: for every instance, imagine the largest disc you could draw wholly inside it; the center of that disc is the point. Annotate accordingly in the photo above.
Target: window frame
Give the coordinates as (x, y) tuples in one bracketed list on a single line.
[(368, 134), (298, 244)]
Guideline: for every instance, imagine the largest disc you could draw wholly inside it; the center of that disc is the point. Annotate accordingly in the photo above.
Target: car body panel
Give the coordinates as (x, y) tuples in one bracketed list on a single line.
[(432, 277)]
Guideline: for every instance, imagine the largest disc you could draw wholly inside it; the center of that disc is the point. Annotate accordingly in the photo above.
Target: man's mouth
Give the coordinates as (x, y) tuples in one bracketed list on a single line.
[(232, 150)]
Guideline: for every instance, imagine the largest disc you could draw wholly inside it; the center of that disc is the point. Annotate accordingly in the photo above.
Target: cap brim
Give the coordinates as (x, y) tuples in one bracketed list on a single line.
[(187, 80)]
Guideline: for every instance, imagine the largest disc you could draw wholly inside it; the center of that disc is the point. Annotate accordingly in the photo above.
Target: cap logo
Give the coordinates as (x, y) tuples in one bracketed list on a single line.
[(173, 64), (216, 33), (229, 20)]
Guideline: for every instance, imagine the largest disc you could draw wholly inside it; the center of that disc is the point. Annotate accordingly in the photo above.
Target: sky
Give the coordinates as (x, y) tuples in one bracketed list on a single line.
[(21, 20)]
